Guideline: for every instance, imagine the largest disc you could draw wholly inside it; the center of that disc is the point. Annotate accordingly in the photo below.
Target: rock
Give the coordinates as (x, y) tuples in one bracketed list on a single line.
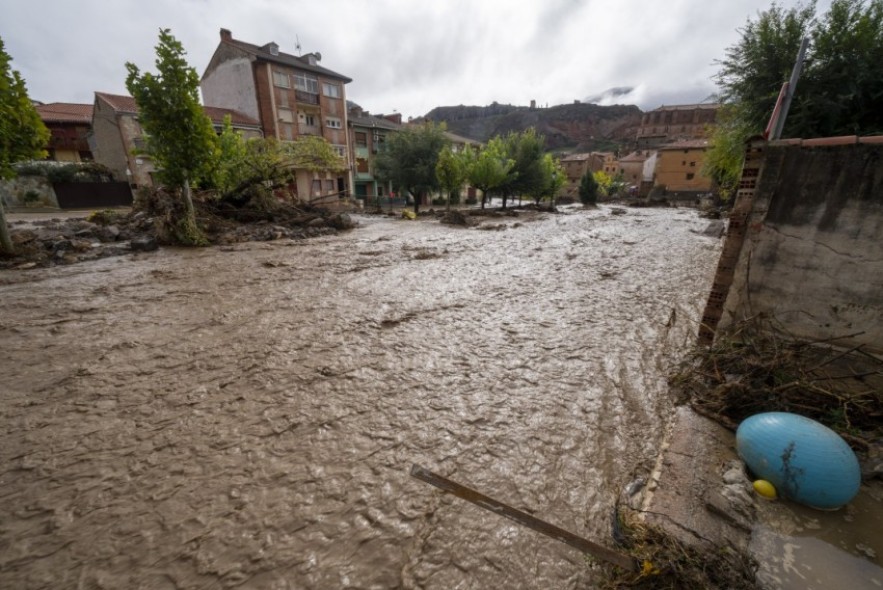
[(61, 245), (872, 464), (454, 218), (81, 245), (318, 222), (341, 221), (110, 233), (25, 266), (715, 229), (23, 237), (617, 211), (145, 244)]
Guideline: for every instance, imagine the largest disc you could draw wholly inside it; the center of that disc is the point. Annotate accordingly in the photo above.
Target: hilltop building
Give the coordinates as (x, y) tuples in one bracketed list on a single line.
[(673, 123)]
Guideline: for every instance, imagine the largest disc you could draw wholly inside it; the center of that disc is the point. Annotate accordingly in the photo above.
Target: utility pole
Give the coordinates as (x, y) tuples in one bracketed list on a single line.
[(779, 123)]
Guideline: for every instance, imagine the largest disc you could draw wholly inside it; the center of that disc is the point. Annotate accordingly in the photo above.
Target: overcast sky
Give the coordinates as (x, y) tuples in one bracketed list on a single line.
[(403, 55)]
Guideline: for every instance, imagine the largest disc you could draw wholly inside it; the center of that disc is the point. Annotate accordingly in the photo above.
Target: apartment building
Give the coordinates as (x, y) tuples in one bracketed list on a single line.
[(368, 134), (291, 96)]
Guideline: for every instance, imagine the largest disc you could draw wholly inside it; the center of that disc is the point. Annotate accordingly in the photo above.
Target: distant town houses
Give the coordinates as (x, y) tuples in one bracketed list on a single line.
[(269, 93)]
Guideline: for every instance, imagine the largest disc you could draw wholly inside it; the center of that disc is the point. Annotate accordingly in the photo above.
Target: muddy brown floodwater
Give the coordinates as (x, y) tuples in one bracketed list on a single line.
[(247, 417)]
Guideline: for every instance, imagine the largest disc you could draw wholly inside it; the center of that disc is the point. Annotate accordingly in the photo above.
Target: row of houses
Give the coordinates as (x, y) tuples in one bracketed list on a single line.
[(265, 93), (268, 93), (671, 145)]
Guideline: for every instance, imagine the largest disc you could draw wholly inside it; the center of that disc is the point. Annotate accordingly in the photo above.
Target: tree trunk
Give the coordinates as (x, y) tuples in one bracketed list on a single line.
[(188, 201), (417, 197), (448, 207), (483, 198), (5, 240), (505, 197)]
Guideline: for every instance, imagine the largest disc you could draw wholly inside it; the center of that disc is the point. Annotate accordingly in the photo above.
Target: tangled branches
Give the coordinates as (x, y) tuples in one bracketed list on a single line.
[(755, 367)]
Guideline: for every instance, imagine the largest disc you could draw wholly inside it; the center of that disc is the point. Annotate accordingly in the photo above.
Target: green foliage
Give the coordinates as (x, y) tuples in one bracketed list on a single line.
[(489, 168), (723, 160), (841, 88), (56, 172), (588, 189), (180, 137), (22, 133), (553, 178), (409, 159), (526, 176), (450, 170), (313, 153)]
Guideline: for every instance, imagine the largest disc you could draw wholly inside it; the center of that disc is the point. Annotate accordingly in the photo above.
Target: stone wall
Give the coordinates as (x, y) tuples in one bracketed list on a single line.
[(812, 249), (27, 192)]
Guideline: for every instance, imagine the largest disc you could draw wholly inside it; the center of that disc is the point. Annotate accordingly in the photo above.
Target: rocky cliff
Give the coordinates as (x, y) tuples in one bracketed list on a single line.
[(572, 127)]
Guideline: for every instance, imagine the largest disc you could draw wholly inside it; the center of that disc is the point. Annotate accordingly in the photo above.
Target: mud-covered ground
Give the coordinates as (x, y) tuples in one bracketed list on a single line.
[(246, 416)]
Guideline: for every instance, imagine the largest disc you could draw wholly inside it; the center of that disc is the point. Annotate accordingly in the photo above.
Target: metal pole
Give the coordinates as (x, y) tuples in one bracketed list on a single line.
[(624, 561), (792, 85)]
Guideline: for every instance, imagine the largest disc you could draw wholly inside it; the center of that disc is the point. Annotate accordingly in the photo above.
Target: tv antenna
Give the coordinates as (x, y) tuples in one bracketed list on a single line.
[(297, 44)]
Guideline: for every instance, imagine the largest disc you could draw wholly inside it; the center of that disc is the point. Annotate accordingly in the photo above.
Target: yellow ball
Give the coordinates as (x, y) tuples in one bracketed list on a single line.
[(765, 489)]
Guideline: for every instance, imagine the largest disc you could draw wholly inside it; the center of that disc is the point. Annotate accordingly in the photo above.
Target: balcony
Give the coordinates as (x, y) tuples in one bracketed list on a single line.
[(361, 153), (306, 97), (364, 176), (304, 129)]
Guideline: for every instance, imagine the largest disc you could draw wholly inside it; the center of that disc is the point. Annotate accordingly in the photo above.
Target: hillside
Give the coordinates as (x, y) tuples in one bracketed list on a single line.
[(571, 127)]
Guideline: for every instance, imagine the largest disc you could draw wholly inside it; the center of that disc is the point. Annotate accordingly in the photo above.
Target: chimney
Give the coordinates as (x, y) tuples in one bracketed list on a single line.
[(395, 118), (226, 35)]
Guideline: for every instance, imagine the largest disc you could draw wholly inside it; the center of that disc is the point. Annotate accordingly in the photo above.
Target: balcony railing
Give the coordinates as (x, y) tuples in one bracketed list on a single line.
[(304, 129), (306, 97)]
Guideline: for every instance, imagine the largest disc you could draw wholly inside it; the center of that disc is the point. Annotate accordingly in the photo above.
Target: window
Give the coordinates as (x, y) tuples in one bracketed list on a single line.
[(331, 90), (692, 164), (690, 175), (281, 79), (329, 186), (286, 115), (340, 149), (306, 83), (317, 187), (332, 122), (361, 139), (307, 119)]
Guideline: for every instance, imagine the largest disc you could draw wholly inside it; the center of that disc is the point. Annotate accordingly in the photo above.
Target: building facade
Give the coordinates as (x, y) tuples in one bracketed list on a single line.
[(117, 139), (368, 133), (290, 97), (672, 123), (69, 126), (575, 167), (679, 167)]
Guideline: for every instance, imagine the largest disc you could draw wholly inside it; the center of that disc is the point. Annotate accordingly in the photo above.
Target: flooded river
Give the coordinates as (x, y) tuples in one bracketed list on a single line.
[(247, 417)]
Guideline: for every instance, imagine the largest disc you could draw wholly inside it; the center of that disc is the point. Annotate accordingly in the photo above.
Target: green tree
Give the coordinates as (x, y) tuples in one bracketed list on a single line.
[(22, 133), (839, 92), (588, 189), (554, 178), (451, 171), (409, 157), (315, 154), (526, 177), (180, 137), (489, 168)]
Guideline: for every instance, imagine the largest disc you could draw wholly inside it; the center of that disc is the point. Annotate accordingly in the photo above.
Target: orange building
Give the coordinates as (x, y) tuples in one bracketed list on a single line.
[(675, 123), (679, 167)]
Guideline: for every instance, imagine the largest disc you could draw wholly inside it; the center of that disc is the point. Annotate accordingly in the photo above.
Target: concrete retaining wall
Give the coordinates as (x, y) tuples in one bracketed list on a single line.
[(28, 192), (812, 254)]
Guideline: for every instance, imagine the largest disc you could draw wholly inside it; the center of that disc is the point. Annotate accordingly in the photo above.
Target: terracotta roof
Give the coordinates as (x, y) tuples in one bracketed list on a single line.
[(460, 139), (634, 157), (372, 122), (126, 104), (285, 59), (576, 157), (65, 112), (685, 145)]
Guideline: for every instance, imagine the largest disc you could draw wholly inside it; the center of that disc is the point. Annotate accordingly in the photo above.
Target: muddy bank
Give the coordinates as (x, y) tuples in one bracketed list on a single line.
[(248, 415)]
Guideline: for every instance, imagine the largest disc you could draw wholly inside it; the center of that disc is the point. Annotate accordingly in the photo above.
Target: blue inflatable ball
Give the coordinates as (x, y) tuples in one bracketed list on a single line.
[(805, 461)]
